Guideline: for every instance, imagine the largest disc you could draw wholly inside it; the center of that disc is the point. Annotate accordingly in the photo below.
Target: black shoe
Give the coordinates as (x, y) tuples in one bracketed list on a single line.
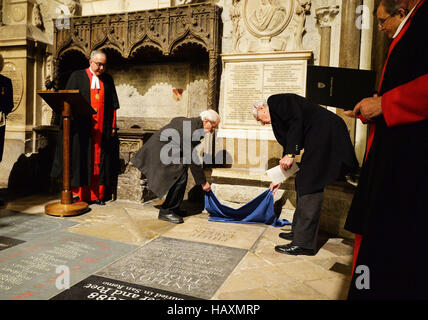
[(286, 235), (2, 203), (170, 217), (294, 250), (180, 212), (100, 202)]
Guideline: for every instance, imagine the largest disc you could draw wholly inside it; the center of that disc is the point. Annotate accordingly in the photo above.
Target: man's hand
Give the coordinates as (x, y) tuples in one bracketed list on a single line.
[(206, 187), (286, 162), (113, 132), (369, 108), (274, 188), (350, 114)]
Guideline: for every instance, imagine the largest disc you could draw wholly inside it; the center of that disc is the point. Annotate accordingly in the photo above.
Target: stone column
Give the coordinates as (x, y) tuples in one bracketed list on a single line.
[(350, 41), (325, 17), (213, 80), (1, 13)]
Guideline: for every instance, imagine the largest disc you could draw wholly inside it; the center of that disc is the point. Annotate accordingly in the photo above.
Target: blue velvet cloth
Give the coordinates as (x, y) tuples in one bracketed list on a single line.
[(258, 210)]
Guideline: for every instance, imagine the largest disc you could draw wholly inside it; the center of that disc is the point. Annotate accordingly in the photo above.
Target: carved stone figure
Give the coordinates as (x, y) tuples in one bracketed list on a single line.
[(302, 10), (237, 31), (37, 17)]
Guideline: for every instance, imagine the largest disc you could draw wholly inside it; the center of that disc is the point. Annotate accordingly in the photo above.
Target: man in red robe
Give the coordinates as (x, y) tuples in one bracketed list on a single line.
[(389, 209), (91, 136)]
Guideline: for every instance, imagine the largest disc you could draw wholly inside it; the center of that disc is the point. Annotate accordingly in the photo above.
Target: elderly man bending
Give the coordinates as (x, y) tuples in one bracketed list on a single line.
[(328, 155), (167, 155)]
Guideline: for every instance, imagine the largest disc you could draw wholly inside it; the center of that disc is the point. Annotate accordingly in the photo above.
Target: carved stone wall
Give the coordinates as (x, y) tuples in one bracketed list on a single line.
[(165, 30)]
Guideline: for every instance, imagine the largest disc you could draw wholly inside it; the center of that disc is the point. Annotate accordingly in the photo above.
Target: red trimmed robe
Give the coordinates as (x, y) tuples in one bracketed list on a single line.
[(95, 191), (389, 211)]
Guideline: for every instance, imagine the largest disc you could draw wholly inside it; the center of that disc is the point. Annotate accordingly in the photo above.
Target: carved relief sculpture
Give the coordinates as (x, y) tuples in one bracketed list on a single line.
[(268, 16), (268, 25)]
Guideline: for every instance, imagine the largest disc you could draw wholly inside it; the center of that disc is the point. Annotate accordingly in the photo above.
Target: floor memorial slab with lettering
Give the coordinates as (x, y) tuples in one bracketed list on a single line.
[(43, 267), (99, 288), (225, 234), (174, 265), (26, 227)]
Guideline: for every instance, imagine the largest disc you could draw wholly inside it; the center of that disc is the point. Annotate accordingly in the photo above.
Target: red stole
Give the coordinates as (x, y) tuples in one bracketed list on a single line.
[(94, 191), (359, 237)]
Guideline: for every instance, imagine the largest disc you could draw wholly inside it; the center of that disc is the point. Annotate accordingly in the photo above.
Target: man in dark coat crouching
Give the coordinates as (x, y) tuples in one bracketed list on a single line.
[(166, 156)]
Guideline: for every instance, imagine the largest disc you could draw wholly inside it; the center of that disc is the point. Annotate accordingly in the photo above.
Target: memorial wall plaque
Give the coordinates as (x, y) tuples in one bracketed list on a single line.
[(35, 270), (253, 77), (184, 267)]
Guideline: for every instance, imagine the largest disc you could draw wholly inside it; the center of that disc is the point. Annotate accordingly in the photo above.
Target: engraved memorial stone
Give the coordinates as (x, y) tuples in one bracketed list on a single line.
[(178, 266), (99, 288), (30, 270)]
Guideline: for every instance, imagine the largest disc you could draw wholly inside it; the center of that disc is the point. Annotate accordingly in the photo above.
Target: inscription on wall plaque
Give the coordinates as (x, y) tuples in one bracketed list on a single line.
[(247, 82)]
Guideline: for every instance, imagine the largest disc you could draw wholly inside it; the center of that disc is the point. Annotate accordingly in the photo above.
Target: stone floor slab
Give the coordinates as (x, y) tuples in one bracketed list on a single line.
[(99, 288), (184, 267), (23, 226), (29, 271), (226, 234)]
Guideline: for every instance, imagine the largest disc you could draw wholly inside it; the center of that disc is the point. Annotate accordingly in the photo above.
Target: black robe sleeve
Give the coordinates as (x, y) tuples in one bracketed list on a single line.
[(287, 122)]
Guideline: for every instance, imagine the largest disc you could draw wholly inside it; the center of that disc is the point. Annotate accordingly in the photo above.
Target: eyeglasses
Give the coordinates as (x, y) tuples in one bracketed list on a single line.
[(383, 21), (99, 64)]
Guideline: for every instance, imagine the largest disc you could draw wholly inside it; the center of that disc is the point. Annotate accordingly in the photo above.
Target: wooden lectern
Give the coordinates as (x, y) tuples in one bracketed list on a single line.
[(67, 103)]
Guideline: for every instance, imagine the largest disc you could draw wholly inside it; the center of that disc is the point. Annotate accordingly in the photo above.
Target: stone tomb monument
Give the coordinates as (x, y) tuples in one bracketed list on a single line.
[(267, 58)]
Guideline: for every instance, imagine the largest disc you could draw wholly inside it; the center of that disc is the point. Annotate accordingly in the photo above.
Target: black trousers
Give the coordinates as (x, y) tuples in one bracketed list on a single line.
[(175, 195), (306, 220)]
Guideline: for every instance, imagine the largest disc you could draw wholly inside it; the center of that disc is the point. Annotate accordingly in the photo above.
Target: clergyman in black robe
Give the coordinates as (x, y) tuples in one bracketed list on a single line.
[(91, 137), (389, 212), (328, 155)]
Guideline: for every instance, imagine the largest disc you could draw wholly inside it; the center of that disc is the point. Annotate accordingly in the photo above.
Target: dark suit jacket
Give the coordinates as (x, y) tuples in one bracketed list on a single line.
[(299, 124), (6, 105), (168, 153)]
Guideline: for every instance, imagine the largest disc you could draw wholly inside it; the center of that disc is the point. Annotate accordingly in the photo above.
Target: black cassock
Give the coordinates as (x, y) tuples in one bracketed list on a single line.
[(328, 151), (390, 206), (6, 105)]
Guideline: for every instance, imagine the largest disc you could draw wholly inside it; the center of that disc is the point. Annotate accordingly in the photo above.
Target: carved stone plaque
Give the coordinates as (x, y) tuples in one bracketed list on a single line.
[(249, 78), (29, 271), (184, 267)]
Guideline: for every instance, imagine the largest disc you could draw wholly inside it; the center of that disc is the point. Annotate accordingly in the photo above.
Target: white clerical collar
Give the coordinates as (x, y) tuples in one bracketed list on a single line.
[(401, 26), (95, 80)]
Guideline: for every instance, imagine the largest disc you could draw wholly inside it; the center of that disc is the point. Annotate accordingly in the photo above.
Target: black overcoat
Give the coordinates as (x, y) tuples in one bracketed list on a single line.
[(6, 105), (390, 206), (177, 140), (328, 151), (80, 135)]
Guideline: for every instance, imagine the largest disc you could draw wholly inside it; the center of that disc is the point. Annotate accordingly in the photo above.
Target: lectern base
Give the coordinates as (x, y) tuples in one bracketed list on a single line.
[(64, 210)]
